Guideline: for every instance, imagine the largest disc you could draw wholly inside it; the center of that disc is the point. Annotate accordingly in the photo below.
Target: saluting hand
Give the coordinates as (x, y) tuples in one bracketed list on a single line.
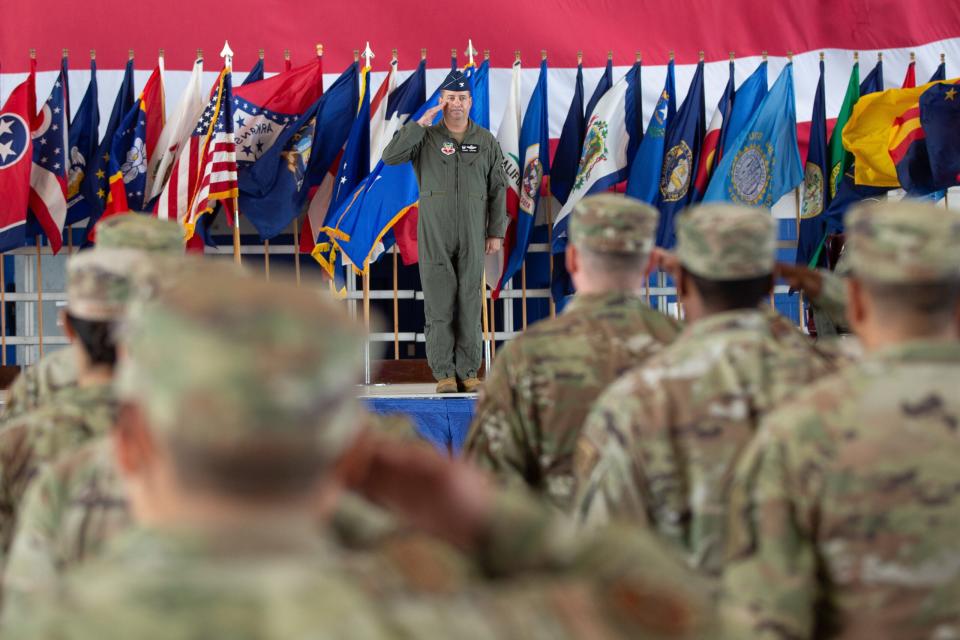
[(427, 118)]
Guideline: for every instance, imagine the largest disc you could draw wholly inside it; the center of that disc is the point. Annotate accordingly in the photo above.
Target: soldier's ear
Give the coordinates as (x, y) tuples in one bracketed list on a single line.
[(68, 329), (133, 444)]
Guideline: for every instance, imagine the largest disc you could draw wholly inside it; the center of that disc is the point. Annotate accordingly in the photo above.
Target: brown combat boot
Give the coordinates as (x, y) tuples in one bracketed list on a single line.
[(471, 385), (447, 385)]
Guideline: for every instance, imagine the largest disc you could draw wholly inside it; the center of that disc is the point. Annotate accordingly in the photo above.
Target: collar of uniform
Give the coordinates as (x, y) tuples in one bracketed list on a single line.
[(920, 351), (470, 130), (255, 539), (737, 320), (95, 392), (601, 300)]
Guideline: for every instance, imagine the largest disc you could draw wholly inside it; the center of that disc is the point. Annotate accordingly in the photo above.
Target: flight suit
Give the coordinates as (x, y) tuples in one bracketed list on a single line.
[(462, 203)]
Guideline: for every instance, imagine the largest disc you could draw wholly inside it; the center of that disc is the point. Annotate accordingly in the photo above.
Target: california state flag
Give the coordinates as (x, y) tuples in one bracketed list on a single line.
[(509, 138)]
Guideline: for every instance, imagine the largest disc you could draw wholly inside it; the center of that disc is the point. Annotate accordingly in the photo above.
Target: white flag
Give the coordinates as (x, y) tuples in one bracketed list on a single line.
[(176, 132), (508, 135)]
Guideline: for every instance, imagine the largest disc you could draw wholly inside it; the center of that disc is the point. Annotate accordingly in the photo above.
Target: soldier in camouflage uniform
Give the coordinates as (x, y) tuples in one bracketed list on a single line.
[(845, 508), (534, 402), (659, 444), (231, 445), (58, 369)]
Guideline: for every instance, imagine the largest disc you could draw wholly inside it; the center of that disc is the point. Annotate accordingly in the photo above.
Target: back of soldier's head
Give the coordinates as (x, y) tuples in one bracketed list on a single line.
[(906, 255), (614, 234), (142, 232), (729, 252), (100, 286), (248, 383)]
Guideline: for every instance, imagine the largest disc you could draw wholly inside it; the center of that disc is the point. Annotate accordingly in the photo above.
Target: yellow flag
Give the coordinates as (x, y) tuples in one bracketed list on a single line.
[(877, 121)]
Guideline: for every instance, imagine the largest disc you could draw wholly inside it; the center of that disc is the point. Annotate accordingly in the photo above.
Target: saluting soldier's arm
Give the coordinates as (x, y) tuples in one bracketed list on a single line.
[(496, 196), (405, 145)]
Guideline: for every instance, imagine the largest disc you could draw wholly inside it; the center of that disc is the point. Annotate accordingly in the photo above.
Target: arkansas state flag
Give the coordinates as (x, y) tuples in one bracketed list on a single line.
[(16, 150)]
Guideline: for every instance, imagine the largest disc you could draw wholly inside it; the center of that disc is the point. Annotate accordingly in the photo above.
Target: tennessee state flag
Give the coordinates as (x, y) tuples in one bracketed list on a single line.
[(16, 149)]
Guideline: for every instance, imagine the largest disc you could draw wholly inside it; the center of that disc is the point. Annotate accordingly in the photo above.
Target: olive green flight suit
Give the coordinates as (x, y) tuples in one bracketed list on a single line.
[(462, 203)]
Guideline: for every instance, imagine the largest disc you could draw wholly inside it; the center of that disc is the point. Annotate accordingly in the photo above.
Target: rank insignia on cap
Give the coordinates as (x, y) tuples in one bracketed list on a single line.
[(455, 81), (448, 148)]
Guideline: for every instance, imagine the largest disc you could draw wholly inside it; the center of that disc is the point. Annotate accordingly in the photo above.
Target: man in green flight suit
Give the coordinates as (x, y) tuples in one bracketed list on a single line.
[(459, 170)]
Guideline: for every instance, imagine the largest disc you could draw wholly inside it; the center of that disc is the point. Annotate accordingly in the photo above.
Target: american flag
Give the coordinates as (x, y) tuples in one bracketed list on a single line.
[(206, 171)]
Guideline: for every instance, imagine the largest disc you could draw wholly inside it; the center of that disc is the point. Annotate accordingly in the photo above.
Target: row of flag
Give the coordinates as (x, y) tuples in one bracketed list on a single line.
[(280, 147)]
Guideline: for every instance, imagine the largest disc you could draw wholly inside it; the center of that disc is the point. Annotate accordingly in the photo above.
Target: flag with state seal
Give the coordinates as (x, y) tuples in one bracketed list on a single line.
[(763, 163)]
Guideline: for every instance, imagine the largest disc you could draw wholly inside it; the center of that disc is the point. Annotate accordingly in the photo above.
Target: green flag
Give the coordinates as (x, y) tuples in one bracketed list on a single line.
[(840, 158)]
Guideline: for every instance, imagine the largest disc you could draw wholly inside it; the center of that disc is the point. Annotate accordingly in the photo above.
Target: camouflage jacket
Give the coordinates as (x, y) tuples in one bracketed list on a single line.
[(78, 504), (659, 445), (37, 383), (845, 509), (533, 403), (283, 582), (72, 416)]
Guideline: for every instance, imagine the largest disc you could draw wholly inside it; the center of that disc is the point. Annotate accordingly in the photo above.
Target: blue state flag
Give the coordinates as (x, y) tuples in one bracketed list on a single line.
[(940, 74), (634, 110), (681, 159), (366, 219), (96, 186), (644, 181), (534, 165), (479, 78), (816, 195), (274, 188), (746, 101), (764, 161), (940, 118), (255, 74), (353, 168), (566, 159), (563, 171), (83, 149)]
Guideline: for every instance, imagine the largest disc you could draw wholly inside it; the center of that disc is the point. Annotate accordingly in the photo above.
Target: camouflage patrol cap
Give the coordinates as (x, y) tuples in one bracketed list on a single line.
[(142, 232), (221, 360), (903, 242), (100, 284), (611, 223), (726, 241)]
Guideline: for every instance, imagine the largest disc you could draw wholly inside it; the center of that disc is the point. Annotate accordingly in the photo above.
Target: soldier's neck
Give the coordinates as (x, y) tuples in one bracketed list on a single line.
[(455, 127), (95, 375)]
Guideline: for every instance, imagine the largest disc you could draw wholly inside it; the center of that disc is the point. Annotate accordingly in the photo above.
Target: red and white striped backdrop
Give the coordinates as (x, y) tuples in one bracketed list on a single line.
[(894, 27)]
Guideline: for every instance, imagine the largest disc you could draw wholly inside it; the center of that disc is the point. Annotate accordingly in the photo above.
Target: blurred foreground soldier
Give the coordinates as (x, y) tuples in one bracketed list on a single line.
[(659, 445), (57, 370), (99, 286), (463, 215), (232, 444), (845, 509), (534, 402)]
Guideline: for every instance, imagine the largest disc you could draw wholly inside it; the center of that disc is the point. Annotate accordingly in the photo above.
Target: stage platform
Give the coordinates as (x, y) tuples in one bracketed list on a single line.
[(441, 418)]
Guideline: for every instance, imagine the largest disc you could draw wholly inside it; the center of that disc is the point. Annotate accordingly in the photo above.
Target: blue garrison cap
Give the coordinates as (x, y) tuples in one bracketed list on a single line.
[(455, 81)]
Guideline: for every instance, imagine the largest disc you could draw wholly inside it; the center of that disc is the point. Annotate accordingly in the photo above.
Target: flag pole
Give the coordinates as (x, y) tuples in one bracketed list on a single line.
[(296, 248), (39, 296), (486, 324), (396, 308), (3, 310), (227, 54), (523, 292)]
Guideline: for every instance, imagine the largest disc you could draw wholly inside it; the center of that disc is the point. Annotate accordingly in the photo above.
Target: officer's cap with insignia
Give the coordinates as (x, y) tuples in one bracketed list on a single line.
[(905, 242), (612, 223), (455, 81), (726, 242), (223, 361)]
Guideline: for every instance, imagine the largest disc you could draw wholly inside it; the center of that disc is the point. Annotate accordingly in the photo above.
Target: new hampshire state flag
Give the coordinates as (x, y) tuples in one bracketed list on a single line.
[(764, 161)]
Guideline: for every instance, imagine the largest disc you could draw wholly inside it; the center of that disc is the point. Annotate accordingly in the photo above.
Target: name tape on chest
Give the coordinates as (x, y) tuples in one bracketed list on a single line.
[(469, 148)]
